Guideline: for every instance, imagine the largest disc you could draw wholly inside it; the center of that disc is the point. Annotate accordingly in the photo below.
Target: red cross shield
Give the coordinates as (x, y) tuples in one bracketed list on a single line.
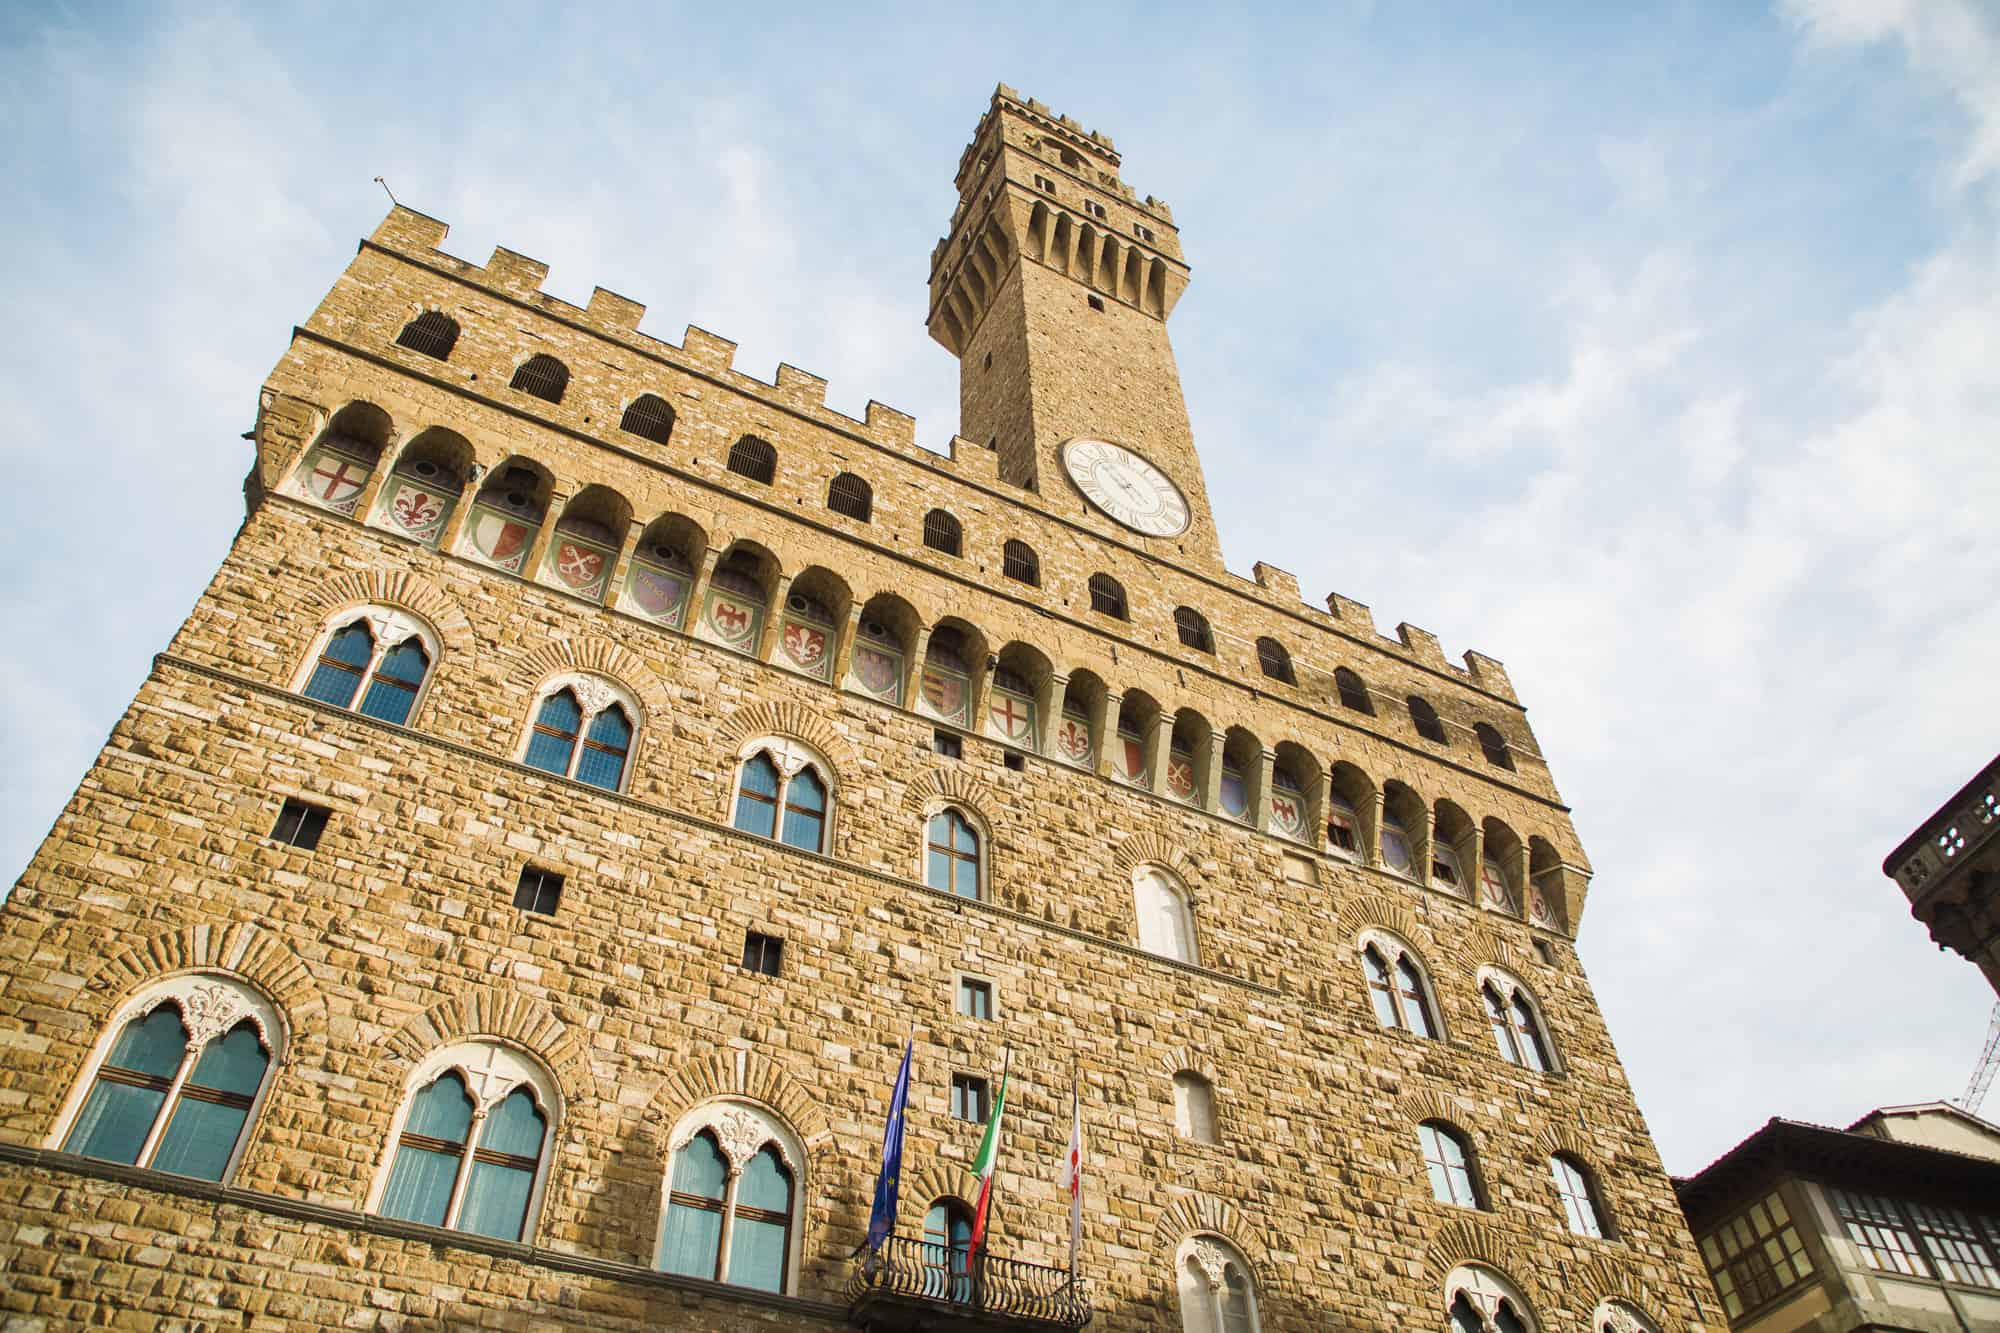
[(336, 481), (1013, 716)]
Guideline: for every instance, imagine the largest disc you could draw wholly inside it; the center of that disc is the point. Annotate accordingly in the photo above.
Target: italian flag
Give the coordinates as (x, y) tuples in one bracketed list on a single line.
[(982, 1165)]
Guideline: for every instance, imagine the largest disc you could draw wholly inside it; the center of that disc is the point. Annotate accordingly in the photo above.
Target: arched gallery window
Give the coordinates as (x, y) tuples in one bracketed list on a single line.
[(377, 655), (582, 728), (1397, 987), (731, 1211), (783, 792)]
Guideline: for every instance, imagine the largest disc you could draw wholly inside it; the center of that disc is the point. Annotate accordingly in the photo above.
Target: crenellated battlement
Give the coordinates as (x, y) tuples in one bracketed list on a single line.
[(418, 237)]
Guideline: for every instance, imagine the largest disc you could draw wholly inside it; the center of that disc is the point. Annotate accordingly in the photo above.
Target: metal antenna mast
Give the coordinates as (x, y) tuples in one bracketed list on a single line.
[(1982, 1075)]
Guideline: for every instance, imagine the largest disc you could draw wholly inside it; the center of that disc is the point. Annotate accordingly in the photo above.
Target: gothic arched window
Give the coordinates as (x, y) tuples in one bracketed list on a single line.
[(1398, 990), (951, 853), (1448, 1163), (649, 417), (1217, 1292), (782, 792), (850, 495), (432, 333), (942, 532), (389, 651), (470, 1142), (1166, 924), (1516, 1021), (542, 376), (1579, 1195), (753, 458), (1479, 1300), (732, 1192), (178, 1085), (583, 728)]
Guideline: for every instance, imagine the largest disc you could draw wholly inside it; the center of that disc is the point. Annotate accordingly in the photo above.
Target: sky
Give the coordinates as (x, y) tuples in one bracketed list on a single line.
[(1654, 351)]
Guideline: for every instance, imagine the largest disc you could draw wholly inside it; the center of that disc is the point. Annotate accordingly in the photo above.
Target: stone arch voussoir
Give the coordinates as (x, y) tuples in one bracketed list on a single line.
[(740, 1073), (1465, 1241), (592, 653), (1417, 1107), (398, 588), (1143, 848), (1196, 1212), (484, 1012), (1560, 1138), (1602, 1280), (796, 721), (242, 949), (955, 788), (1358, 914), (1188, 1059), (1491, 947)]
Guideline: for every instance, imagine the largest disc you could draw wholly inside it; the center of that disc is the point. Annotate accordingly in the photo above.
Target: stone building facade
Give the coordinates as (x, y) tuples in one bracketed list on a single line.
[(592, 763), (1949, 869)]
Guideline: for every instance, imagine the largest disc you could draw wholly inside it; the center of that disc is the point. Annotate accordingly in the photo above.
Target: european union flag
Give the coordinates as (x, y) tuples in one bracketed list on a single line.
[(882, 1219)]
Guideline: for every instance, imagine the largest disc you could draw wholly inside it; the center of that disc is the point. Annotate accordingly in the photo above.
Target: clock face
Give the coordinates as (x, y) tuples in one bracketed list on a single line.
[(1126, 487)]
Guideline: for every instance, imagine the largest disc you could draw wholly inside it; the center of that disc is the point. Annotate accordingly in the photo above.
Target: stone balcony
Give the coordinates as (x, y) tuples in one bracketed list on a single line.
[(911, 1285), (1949, 869)]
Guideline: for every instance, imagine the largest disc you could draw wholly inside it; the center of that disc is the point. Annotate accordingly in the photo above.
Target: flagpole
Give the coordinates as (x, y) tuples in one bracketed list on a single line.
[(1076, 1133)]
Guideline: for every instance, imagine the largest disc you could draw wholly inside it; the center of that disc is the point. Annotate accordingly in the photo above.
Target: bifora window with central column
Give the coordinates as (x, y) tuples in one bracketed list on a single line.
[(952, 853), (730, 1213), (782, 792)]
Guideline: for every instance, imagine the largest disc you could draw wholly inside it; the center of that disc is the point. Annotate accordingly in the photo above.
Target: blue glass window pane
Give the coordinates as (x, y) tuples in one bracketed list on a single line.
[(496, 1200), (1532, 1053), (515, 1126), (549, 753), (115, 1121), (610, 729), (764, 1184), (151, 1045), (1414, 1011), (234, 1064), (420, 1185), (937, 869), (601, 769), (405, 662), (803, 830), (965, 879), (757, 797), (691, 1241), (757, 1254), (441, 1111), (389, 701), (561, 712), (700, 1169), (1503, 1032), (966, 839), (200, 1138), (807, 792), (338, 674)]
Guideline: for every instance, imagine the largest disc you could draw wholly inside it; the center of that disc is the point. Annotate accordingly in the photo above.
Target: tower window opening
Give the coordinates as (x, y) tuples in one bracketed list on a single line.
[(941, 532), (649, 417), (539, 891), (1092, 207), (1193, 629), (542, 376), (1019, 562), (753, 458), (300, 825), (1107, 597), (1096, 302), (1044, 184), (1142, 231), (432, 333), (762, 953), (850, 495)]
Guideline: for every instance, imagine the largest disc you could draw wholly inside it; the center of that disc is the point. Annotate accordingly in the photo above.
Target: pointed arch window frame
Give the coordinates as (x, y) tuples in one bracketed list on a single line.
[(389, 629), (595, 696), (1182, 906), (1526, 1026), (981, 855), (740, 1130), (490, 1071), (790, 757), (211, 1006), (1403, 985), (1208, 1259)]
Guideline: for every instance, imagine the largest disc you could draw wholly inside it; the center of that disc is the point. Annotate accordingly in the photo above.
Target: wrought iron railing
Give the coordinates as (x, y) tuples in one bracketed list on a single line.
[(976, 1282)]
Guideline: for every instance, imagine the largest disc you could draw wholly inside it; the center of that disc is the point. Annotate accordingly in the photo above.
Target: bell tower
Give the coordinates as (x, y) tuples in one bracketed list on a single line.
[(1053, 290)]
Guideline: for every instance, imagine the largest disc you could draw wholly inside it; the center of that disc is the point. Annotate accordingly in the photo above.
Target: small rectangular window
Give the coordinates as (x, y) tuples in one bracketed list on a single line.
[(1096, 303), (762, 953), (299, 825), (1014, 760), (1545, 953), (975, 998), (968, 1098), (1443, 871), (1044, 184), (539, 891), (1142, 231), (948, 745), (1092, 207), (1340, 834)]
